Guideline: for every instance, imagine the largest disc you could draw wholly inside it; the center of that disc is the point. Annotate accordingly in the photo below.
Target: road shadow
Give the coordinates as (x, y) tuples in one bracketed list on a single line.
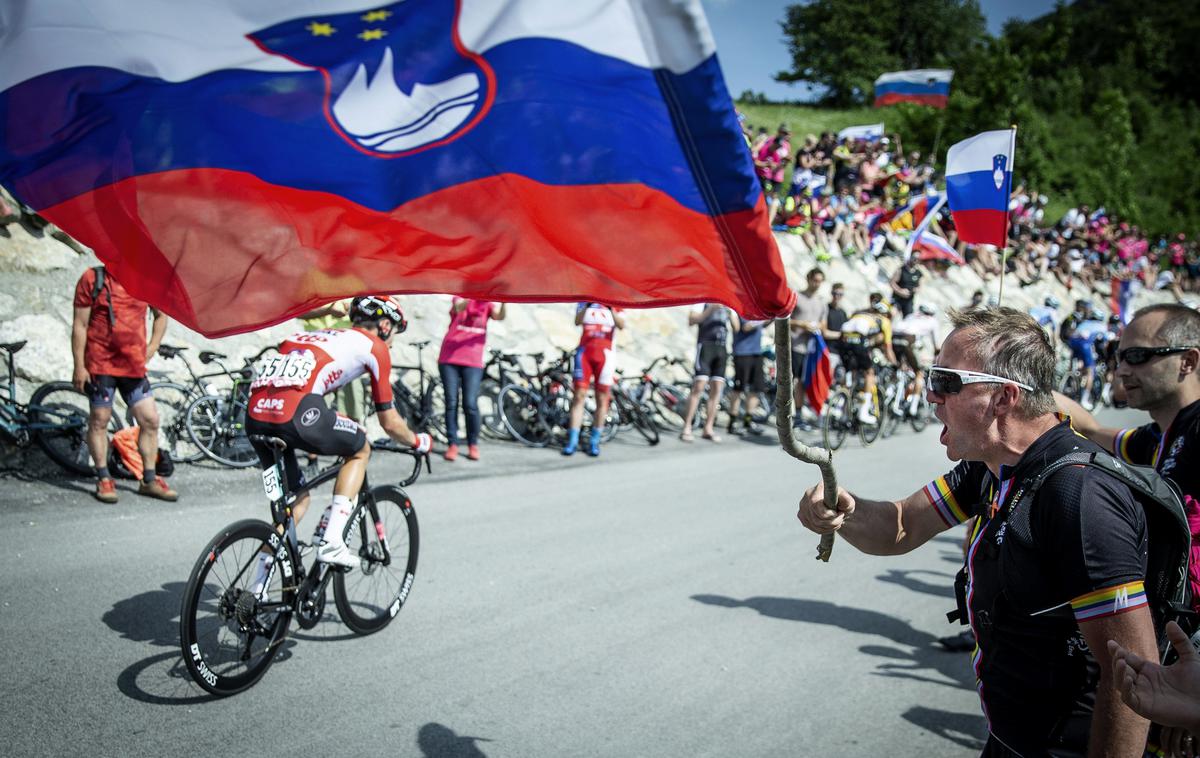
[(909, 579), (438, 741), (964, 729), (922, 661)]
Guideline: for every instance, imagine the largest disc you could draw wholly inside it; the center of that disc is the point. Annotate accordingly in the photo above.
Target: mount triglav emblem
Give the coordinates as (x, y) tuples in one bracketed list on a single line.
[(998, 164), (397, 77)]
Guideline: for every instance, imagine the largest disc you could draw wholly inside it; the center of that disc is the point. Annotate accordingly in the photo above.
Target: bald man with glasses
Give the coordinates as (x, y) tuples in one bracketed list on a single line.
[(1049, 576)]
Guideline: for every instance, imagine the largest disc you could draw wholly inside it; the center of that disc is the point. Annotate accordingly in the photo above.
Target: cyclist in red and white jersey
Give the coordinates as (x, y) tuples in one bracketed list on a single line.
[(286, 402), (594, 361)]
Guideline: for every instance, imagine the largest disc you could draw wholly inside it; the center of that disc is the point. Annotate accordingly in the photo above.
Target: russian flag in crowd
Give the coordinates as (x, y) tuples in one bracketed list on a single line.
[(818, 373), (928, 246), (924, 86), (868, 132), (238, 163), (978, 183)]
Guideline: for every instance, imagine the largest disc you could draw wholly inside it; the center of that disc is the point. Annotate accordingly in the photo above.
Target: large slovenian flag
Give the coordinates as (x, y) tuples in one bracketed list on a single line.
[(978, 183), (925, 86), (235, 163)]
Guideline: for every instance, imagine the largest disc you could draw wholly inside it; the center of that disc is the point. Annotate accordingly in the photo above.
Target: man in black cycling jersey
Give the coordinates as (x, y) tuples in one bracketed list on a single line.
[(1049, 581), (286, 402)]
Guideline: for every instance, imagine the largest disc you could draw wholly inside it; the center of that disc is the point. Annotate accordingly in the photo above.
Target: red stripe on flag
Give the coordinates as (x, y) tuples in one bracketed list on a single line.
[(982, 227), (891, 98), (253, 254)]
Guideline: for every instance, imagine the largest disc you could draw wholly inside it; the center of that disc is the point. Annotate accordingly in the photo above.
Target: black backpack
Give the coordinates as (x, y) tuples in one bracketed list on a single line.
[(99, 287), (1168, 587)]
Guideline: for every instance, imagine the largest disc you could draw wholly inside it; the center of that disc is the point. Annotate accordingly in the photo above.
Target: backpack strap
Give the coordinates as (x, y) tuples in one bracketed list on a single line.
[(97, 288)]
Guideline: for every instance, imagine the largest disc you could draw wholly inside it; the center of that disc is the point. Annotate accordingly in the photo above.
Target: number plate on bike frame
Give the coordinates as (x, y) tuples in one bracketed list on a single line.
[(273, 482)]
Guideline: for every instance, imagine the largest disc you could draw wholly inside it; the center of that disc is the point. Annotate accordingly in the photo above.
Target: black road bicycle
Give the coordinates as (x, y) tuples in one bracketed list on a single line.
[(423, 409), (55, 418), (230, 636)]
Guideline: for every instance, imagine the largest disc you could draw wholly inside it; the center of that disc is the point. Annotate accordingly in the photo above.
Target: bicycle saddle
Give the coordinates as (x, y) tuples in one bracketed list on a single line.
[(537, 356), (208, 356), (170, 351), (265, 439), (13, 347), (421, 344)]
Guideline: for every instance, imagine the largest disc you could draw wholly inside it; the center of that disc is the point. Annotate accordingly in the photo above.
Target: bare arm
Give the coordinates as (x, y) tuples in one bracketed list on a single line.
[(1085, 423), (695, 318), (499, 311), (459, 305), (1117, 730), (876, 527), (396, 427), (736, 321), (618, 320), (158, 329), (79, 324)]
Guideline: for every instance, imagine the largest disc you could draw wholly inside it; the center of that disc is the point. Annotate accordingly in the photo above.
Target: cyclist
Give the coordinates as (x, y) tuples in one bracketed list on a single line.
[(594, 361), (908, 336), (1047, 313), (1087, 327), (867, 329), (286, 402)]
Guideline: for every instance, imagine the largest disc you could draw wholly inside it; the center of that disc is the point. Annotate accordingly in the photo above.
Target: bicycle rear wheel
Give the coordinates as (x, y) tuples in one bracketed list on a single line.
[(172, 401), (489, 411), (522, 417), (920, 419), (868, 433), (229, 637), (62, 411), (383, 532), (217, 426), (835, 420), (635, 415)]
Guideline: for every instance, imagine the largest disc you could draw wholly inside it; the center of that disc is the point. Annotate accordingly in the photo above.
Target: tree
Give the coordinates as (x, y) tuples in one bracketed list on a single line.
[(844, 45)]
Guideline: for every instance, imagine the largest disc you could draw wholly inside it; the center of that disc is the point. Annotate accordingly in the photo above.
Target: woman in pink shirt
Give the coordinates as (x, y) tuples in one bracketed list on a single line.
[(461, 366)]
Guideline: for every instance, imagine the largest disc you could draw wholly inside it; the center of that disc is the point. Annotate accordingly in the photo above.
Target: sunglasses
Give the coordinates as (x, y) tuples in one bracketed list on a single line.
[(1136, 356), (950, 381)]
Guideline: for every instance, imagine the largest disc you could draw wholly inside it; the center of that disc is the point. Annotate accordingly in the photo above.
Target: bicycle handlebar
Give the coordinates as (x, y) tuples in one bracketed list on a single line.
[(391, 446)]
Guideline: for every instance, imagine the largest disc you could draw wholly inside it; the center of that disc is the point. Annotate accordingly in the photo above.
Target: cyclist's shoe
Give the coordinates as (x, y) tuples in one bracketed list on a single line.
[(571, 448), (593, 448), (865, 416), (473, 452), (106, 490), (451, 453), (914, 404), (158, 489), (754, 428), (963, 642), (1087, 403), (337, 554)]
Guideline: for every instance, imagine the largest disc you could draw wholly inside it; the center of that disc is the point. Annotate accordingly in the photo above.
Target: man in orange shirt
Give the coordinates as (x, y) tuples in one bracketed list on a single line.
[(108, 343)]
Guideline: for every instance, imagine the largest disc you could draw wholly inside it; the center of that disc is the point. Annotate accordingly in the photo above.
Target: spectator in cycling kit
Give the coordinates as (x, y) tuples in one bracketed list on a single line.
[(714, 322), (1049, 582), (109, 348), (905, 284), (867, 329), (747, 375), (286, 402), (909, 334), (595, 362), (807, 320), (461, 366), (1046, 315)]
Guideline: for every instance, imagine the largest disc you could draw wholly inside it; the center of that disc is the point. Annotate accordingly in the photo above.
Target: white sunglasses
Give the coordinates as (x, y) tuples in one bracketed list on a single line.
[(950, 381)]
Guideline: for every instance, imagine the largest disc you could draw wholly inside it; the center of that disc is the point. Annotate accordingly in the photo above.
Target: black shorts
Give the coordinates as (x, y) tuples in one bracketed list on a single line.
[(748, 373), (315, 428), (856, 357), (906, 355), (712, 360), (103, 389)]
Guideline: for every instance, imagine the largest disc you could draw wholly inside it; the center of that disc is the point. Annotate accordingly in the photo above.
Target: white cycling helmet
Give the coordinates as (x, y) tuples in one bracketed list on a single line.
[(927, 309)]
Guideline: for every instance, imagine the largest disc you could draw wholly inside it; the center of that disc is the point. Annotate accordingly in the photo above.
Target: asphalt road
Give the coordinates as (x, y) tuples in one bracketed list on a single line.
[(654, 602)]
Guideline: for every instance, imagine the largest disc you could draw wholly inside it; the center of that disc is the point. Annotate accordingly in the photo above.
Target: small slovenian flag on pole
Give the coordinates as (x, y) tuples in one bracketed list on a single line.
[(978, 182), (924, 86)]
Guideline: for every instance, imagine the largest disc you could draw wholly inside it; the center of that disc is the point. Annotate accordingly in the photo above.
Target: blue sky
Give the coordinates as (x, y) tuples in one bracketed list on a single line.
[(751, 47)]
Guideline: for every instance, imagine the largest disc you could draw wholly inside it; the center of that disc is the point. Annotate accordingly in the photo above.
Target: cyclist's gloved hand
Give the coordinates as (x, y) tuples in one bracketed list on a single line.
[(423, 443)]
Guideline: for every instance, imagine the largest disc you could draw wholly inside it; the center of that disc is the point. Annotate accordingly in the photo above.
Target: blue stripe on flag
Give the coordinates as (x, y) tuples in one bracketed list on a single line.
[(976, 190)]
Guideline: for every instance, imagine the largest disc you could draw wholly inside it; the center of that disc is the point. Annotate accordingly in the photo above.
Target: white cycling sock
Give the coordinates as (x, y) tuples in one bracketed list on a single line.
[(334, 520)]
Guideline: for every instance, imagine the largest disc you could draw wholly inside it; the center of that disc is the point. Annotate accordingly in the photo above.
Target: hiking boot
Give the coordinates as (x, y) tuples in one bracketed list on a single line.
[(158, 489), (451, 453), (473, 452), (106, 490)]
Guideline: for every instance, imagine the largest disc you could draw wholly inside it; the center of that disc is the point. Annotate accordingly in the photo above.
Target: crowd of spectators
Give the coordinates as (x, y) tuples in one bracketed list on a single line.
[(841, 197)]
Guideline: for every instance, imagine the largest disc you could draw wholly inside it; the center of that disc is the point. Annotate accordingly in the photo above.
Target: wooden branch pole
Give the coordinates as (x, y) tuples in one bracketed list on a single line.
[(784, 415)]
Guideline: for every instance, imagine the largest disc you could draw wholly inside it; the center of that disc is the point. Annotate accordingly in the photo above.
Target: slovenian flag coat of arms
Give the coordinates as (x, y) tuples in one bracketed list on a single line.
[(236, 163)]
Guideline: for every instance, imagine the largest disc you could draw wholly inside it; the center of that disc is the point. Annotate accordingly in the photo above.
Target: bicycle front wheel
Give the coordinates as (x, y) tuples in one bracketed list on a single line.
[(868, 433), (217, 426), (228, 634), (489, 411), (383, 532), (59, 415), (632, 413), (835, 420)]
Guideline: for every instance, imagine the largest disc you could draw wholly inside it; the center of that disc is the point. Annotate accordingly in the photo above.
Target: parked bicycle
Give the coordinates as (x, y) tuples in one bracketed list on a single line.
[(664, 400), (631, 412), (424, 409), (55, 418), (229, 635), (500, 370), (539, 414), (216, 422)]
